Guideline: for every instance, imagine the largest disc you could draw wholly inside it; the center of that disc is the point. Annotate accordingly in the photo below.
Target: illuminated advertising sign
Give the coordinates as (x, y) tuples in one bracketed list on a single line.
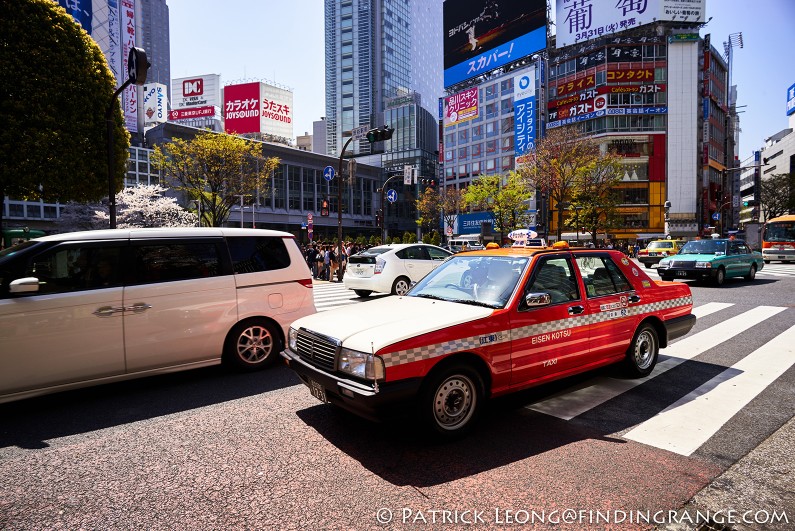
[(155, 103), (582, 20), (128, 41), (791, 100), (480, 36), (242, 108), (611, 111), (524, 111), (196, 91), (609, 89), (461, 107)]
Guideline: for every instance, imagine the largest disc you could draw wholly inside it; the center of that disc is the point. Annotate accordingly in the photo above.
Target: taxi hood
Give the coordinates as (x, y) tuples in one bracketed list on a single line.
[(379, 323)]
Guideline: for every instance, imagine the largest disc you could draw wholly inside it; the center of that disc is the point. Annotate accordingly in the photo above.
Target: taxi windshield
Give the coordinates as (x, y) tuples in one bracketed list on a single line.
[(717, 247), (478, 280)]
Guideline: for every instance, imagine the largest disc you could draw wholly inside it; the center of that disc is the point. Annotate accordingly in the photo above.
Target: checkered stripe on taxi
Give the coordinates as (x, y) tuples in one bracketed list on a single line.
[(468, 343)]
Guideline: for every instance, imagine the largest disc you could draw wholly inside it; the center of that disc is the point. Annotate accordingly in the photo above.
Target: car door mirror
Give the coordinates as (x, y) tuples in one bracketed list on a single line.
[(537, 299), (24, 285)]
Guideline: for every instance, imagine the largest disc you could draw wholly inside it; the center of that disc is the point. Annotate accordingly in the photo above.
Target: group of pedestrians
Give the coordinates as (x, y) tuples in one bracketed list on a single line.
[(322, 258)]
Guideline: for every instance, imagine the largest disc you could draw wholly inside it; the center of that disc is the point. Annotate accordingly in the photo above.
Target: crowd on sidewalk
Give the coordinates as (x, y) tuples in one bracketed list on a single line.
[(322, 258)]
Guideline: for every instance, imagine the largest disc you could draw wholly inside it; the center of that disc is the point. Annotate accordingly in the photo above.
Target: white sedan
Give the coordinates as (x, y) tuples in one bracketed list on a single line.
[(391, 268)]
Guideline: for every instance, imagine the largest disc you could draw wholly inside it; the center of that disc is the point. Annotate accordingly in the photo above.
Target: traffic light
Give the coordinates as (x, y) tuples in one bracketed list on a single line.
[(379, 134), (378, 218), (431, 183), (324, 208), (750, 203)]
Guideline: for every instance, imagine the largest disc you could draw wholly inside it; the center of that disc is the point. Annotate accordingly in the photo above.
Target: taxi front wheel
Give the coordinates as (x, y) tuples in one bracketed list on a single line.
[(643, 351), (451, 401)]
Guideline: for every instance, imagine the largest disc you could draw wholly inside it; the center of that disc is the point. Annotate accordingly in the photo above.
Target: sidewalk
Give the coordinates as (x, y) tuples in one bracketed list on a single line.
[(763, 480)]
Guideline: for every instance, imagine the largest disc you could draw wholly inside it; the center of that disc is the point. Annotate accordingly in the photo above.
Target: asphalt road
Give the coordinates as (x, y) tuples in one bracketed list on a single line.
[(212, 449)]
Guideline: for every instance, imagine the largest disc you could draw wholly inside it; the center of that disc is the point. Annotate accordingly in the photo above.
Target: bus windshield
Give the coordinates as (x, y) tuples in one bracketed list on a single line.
[(779, 231)]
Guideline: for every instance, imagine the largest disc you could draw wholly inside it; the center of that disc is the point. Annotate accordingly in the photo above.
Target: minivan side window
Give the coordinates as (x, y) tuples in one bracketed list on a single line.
[(167, 262), (253, 254), (72, 268)]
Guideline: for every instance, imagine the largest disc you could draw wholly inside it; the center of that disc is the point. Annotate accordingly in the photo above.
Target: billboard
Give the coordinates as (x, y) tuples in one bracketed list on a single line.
[(524, 111), (791, 100), (277, 111), (461, 107), (155, 103), (480, 36), (242, 106), (193, 112), (128, 41), (579, 21), (81, 11), (196, 91)]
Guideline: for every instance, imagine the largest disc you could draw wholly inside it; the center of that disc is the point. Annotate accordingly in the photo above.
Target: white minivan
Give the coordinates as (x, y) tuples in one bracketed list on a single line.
[(84, 308)]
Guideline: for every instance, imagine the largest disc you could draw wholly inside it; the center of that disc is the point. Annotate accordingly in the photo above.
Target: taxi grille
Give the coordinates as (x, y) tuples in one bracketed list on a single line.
[(685, 264), (318, 350)]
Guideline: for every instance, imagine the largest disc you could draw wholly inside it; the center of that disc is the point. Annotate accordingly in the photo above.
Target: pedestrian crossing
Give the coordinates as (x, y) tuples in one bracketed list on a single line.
[(770, 270), (330, 295)]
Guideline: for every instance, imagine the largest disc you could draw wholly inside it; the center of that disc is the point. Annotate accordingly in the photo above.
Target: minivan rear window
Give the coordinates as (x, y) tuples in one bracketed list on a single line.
[(253, 254)]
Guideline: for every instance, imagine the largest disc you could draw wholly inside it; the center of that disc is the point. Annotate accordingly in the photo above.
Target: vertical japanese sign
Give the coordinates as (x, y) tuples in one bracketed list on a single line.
[(791, 100), (128, 41), (80, 10), (461, 107), (524, 110), (114, 38), (242, 108), (155, 103)]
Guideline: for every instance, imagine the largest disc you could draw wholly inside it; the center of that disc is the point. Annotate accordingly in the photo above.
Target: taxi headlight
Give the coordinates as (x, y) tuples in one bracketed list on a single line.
[(361, 364), (703, 265), (292, 339), (664, 265)]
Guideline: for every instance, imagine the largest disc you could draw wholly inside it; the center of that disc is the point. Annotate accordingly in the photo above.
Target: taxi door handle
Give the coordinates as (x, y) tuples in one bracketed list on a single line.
[(574, 310), (634, 298)]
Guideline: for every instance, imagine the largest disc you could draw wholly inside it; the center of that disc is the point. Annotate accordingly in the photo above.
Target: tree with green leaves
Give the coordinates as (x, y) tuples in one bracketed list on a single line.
[(504, 197), (562, 157), (215, 169), (54, 90), (433, 204), (777, 193), (595, 196)]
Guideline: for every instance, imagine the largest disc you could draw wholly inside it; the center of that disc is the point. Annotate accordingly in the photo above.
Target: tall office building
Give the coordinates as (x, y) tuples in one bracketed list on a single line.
[(155, 40), (384, 62)]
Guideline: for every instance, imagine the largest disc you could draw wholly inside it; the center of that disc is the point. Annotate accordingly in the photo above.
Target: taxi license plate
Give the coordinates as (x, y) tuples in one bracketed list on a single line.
[(681, 273), (652, 254), (317, 391)]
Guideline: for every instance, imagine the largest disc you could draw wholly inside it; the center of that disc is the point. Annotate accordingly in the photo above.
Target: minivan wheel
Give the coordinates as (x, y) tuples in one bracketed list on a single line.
[(401, 286), (252, 345)]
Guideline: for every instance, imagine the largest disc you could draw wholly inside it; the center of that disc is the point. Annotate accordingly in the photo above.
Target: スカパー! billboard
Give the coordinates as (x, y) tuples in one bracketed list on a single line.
[(242, 108), (481, 35)]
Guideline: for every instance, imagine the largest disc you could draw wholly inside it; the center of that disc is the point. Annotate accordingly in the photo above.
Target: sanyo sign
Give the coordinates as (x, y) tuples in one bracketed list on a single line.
[(196, 91), (155, 103)]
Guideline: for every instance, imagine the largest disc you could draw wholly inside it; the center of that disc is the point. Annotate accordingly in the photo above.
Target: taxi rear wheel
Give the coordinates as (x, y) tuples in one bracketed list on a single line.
[(451, 401), (751, 273), (643, 351)]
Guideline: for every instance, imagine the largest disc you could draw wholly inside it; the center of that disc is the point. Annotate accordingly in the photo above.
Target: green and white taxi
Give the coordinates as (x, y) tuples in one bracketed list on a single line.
[(714, 260)]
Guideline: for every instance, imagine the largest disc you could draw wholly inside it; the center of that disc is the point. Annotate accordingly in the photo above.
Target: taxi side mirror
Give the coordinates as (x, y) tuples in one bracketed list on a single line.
[(536, 300)]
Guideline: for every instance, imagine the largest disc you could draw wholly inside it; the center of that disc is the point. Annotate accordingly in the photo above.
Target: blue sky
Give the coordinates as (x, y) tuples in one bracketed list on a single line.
[(283, 41)]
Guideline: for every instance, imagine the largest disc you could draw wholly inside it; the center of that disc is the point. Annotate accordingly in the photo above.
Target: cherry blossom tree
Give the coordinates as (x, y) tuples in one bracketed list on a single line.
[(139, 206)]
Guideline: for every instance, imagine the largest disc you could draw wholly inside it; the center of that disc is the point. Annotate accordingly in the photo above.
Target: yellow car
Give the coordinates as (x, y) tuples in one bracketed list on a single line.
[(658, 250)]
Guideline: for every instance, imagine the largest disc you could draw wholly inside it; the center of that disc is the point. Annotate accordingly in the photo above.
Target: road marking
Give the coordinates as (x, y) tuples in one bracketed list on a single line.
[(581, 398), (688, 423)]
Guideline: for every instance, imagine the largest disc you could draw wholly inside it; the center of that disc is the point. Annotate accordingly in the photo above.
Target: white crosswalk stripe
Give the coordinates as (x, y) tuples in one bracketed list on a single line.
[(570, 403), (330, 295), (689, 422)]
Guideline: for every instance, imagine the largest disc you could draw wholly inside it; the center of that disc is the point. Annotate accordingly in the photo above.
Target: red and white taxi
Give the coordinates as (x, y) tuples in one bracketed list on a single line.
[(484, 324)]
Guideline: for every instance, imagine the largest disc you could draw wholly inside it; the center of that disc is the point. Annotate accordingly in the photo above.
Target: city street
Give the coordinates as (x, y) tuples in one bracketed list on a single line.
[(211, 449)]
